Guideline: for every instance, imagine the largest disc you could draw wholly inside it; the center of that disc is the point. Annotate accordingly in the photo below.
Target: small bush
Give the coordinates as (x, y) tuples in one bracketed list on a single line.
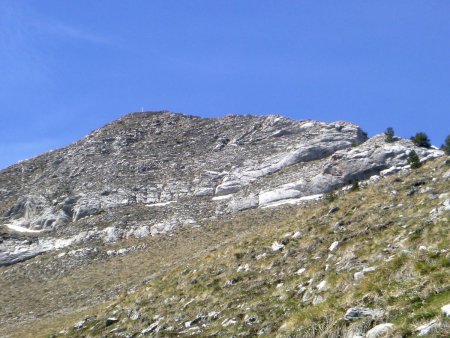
[(444, 262), (355, 186), (330, 196), (414, 160), (424, 267), (389, 135), (421, 140)]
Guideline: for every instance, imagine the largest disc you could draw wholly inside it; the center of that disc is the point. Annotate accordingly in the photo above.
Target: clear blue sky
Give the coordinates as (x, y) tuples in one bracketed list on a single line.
[(68, 67)]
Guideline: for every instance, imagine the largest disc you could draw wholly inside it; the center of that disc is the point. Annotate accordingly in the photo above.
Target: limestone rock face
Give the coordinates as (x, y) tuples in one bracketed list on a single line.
[(150, 173)]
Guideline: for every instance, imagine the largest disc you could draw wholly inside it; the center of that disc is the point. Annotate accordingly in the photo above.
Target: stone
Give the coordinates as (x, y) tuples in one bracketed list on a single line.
[(369, 269), (82, 323), (249, 319), (355, 313), (277, 246), (300, 271), (150, 328), (213, 315), (297, 235), (243, 268), (322, 286), (228, 322), (357, 276), (301, 289), (333, 210), (111, 320), (307, 295), (79, 324), (428, 328), (139, 232), (333, 246), (380, 330), (111, 234), (134, 314), (317, 300), (446, 310)]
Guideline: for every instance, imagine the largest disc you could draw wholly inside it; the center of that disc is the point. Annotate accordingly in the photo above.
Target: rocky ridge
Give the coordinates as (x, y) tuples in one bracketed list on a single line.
[(150, 173)]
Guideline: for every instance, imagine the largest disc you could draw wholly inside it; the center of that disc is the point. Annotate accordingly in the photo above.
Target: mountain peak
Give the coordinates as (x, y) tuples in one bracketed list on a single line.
[(152, 174)]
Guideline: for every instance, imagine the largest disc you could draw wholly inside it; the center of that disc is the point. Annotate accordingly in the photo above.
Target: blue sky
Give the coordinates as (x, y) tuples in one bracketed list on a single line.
[(68, 67)]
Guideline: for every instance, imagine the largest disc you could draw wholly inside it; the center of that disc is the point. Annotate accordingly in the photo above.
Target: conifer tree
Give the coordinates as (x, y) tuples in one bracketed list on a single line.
[(421, 140), (414, 160), (446, 146), (389, 135)]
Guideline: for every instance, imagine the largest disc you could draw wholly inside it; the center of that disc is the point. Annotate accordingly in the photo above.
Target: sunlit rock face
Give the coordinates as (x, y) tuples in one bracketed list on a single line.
[(150, 173)]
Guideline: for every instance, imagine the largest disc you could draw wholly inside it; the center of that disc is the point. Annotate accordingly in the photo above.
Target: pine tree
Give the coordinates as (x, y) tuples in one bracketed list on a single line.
[(389, 135), (446, 146), (414, 160), (421, 140)]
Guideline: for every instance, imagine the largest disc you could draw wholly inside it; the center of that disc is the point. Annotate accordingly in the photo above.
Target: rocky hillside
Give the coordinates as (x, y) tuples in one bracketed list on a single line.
[(220, 227), (373, 262), (150, 173)]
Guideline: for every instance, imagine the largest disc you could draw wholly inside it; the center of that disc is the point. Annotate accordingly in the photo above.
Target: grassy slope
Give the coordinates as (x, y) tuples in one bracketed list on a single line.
[(45, 293), (382, 226)]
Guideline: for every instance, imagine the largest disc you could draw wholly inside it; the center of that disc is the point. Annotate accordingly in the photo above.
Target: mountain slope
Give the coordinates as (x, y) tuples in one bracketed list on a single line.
[(189, 201), (298, 271)]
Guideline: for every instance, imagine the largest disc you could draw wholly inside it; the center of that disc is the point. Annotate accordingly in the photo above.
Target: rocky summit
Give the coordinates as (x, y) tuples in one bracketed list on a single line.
[(165, 188), (149, 173)]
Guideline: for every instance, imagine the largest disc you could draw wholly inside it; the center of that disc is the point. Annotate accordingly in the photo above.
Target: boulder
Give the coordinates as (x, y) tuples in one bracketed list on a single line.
[(446, 310), (277, 246), (111, 320), (356, 313), (428, 328), (381, 330), (333, 246)]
